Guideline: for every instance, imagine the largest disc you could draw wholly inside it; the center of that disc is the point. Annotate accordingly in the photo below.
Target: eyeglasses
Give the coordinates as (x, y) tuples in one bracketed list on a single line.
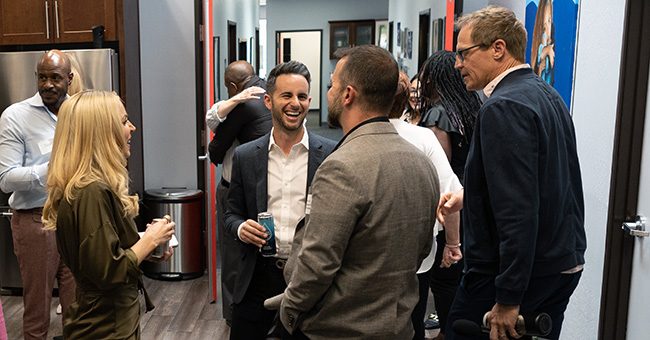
[(460, 54)]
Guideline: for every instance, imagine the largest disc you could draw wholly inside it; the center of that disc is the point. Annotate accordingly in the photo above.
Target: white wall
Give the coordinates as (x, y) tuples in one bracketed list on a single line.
[(167, 52), (286, 15), (246, 14), (594, 113), (407, 13)]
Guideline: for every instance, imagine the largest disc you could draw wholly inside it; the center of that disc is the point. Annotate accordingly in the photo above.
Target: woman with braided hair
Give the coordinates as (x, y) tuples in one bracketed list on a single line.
[(451, 115)]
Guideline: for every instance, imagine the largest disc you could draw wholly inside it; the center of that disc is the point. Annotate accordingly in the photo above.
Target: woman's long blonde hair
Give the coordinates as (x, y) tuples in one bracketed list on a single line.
[(88, 147)]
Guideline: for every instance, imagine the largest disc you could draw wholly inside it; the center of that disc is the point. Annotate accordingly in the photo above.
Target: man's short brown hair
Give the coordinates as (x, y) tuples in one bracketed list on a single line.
[(492, 23), (374, 72)]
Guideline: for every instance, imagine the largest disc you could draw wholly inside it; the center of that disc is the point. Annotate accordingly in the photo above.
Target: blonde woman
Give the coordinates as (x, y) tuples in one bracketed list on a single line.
[(77, 84), (92, 212)]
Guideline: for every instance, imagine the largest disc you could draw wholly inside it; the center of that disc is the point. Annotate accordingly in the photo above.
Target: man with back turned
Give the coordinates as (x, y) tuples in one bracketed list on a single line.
[(369, 226)]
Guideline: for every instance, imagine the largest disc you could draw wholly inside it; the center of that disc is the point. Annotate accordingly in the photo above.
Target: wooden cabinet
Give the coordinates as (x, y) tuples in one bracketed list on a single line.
[(55, 21), (350, 34)]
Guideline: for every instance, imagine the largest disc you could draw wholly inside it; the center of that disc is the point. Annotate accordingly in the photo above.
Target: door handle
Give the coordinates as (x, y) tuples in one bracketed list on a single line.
[(47, 20), (56, 13), (636, 228), (204, 157)]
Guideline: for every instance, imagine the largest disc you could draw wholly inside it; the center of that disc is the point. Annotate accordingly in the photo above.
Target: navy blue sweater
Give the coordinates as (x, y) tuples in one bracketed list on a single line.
[(523, 207)]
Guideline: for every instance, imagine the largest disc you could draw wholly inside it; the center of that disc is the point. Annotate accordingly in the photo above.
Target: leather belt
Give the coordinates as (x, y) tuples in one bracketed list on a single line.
[(225, 183), (280, 263), (276, 262), (38, 210)]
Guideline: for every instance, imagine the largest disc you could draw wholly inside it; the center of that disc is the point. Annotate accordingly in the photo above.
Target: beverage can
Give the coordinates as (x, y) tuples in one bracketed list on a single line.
[(266, 220)]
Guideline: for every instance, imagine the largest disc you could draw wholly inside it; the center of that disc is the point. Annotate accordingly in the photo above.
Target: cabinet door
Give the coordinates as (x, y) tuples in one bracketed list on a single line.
[(74, 19), (364, 33), (25, 22), (339, 37)]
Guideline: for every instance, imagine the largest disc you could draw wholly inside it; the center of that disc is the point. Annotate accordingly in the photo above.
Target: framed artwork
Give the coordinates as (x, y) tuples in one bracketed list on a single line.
[(216, 41), (409, 44), (399, 34), (552, 27), (381, 33), (437, 38)]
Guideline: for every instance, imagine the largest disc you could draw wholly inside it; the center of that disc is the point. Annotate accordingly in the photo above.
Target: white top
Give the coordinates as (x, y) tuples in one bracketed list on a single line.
[(425, 140), (213, 120)]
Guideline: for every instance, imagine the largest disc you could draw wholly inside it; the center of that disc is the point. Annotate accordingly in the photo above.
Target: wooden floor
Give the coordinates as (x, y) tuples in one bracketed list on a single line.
[(183, 311)]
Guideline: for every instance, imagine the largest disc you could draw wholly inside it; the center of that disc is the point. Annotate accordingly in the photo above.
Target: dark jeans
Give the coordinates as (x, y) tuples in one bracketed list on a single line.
[(250, 320), (417, 317), (476, 294)]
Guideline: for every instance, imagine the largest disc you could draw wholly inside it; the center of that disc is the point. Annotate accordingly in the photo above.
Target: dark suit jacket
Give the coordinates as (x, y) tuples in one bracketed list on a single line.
[(246, 122), (523, 212), (248, 194)]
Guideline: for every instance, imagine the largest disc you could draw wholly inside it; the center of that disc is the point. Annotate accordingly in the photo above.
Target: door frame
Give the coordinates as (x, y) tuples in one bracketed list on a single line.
[(626, 167), (424, 37), (278, 59)]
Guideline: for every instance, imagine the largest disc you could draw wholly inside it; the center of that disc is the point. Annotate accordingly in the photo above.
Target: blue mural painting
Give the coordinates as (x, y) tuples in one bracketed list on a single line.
[(550, 50)]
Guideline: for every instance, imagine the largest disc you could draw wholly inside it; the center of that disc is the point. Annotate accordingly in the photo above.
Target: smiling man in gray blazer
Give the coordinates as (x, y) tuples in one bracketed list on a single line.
[(370, 220)]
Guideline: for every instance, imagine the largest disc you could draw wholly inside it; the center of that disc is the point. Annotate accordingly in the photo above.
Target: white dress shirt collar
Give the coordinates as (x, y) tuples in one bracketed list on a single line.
[(493, 84)]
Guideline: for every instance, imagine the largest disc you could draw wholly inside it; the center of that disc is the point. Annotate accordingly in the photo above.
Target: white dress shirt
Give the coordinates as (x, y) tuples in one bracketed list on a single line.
[(213, 120), (425, 140), (26, 134), (489, 88), (287, 190)]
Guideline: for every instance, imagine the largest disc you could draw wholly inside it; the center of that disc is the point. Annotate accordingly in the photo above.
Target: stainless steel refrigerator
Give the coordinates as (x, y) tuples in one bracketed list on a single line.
[(99, 70)]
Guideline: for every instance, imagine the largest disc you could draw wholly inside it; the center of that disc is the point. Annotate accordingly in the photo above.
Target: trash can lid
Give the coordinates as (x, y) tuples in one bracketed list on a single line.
[(173, 194)]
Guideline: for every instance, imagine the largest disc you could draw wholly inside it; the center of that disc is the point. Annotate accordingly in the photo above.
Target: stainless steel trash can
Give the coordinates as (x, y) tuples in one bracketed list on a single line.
[(186, 209)]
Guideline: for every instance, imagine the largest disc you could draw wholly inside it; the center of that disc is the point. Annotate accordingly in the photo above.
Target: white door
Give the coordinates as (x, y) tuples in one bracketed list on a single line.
[(639, 305), (306, 48)]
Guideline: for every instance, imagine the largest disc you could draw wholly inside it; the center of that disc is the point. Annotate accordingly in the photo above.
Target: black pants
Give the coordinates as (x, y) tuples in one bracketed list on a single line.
[(476, 294), (228, 249), (250, 320), (417, 317), (444, 282)]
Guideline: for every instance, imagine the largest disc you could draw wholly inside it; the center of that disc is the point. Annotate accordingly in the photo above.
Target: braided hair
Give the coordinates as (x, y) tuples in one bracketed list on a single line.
[(439, 80)]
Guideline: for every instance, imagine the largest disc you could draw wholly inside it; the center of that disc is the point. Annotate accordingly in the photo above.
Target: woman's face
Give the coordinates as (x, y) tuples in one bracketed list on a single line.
[(127, 129), (414, 94)]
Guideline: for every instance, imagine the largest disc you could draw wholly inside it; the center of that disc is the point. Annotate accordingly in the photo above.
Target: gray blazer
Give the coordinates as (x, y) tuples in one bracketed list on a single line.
[(373, 203), (247, 195)]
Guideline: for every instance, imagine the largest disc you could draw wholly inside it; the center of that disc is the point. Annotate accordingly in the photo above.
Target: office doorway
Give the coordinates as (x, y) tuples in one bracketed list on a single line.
[(305, 47), (232, 41), (424, 37)]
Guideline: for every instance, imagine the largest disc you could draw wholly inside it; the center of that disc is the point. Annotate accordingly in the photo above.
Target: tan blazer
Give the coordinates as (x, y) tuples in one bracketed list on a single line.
[(368, 228)]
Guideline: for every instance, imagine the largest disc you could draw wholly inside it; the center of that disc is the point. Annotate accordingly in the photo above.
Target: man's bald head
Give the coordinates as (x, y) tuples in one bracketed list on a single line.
[(236, 76), (53, 78), (55, 58)]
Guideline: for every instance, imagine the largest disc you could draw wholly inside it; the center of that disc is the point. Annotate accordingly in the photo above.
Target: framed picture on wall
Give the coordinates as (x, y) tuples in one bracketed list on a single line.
[(216, 41), (409, 44), (381, 33), (399, 35), (438, 35)]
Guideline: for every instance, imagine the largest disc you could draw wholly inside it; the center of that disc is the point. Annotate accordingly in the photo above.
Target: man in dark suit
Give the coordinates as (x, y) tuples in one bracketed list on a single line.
[(239, 119), (272, 173), (523, 214), (371, 220)]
